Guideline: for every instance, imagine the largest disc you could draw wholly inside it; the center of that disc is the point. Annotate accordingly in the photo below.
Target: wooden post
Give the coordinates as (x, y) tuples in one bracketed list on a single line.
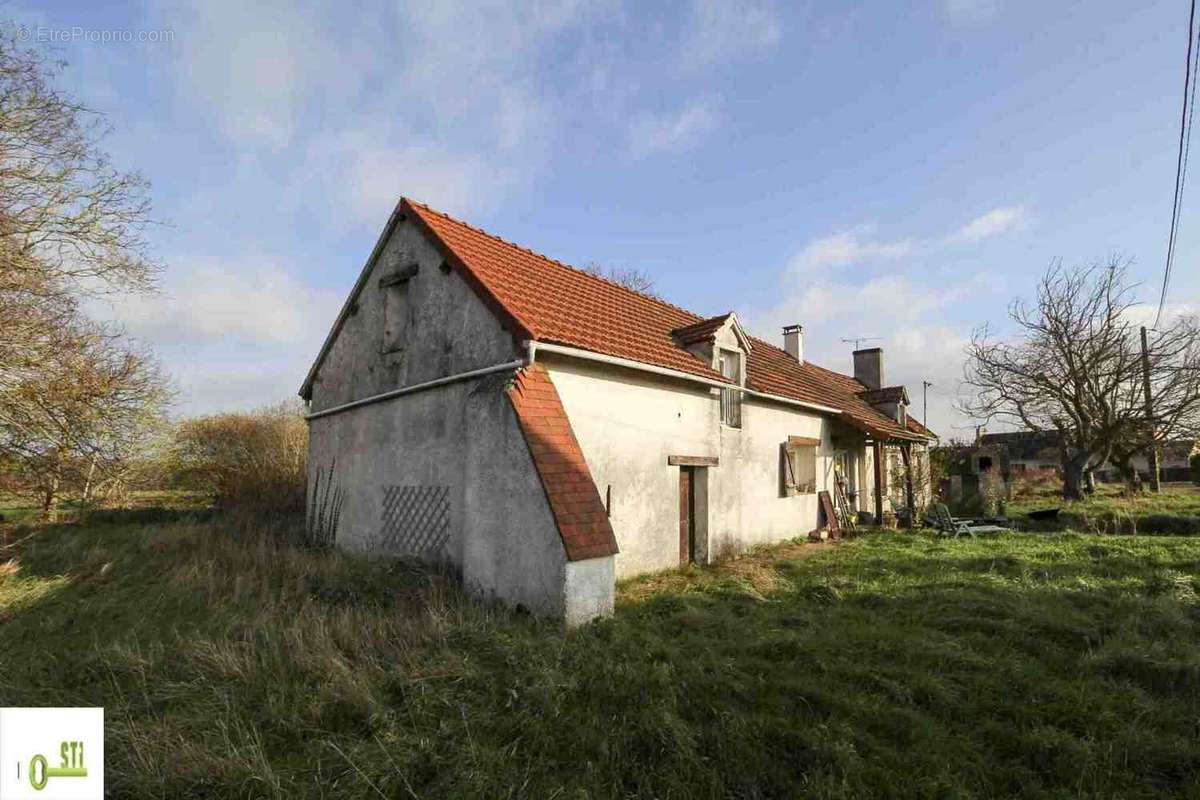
[(878, 481), (1152, 451), (906, 454)]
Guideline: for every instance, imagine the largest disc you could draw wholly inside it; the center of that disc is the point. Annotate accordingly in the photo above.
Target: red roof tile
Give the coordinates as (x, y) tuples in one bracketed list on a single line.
[(702, 330), (574, 500), (919, 428), (887, 394), (550, 301)]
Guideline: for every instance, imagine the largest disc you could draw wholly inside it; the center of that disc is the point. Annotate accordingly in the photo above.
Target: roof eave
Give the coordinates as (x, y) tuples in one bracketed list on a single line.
[(521, 332), (396, 216)]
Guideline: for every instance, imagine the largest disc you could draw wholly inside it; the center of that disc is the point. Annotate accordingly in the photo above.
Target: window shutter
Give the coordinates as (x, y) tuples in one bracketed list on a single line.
[(786, 472)]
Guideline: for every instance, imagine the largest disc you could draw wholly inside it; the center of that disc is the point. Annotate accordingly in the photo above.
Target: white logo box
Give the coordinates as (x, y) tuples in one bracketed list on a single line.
[(64, 748)]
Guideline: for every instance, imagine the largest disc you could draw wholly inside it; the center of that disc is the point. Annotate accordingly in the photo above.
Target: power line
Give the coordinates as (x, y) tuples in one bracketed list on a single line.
[(1185, 136), (1187, 147)]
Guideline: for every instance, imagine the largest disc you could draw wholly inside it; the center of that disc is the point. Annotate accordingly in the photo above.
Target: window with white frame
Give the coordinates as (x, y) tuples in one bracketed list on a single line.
[(799, 466), (730, 364)]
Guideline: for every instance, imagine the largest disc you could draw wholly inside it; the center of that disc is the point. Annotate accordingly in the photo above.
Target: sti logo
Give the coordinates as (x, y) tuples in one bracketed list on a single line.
[(70, 767), (51, 753)]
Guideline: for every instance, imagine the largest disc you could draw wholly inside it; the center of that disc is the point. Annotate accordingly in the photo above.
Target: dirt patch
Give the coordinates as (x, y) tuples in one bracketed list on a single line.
[(757, 567)]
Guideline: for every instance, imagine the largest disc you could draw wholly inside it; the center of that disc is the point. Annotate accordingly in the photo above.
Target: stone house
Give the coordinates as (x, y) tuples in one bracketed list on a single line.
[(548, 432)]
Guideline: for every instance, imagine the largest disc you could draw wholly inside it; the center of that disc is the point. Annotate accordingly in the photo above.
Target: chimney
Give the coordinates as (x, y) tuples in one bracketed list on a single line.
[(868, 367), (793, 341)]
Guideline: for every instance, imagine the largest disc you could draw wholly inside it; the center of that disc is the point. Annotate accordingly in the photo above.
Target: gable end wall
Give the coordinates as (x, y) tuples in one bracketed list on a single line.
[(454, 453)]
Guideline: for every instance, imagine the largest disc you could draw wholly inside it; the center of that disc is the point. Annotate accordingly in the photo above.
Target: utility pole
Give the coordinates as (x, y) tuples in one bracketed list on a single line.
[(925, 391), (1152, 450)]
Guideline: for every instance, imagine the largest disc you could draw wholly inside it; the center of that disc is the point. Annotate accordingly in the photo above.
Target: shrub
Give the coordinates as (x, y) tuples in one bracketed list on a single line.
[(1194, 463), (252, 461)]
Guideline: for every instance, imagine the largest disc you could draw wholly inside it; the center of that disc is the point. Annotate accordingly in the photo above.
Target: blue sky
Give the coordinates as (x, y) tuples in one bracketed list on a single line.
[(896, 170)]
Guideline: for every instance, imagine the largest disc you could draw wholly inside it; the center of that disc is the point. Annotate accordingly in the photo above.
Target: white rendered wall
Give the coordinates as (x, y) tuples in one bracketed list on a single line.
[(629, 423)]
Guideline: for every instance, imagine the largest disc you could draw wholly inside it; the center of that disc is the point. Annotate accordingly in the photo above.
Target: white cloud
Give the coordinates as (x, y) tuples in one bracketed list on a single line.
[(905, 318), (232, 334), (1145, 313), (252, 303), (720, 31), (856, 245), (970, 12), (362, 173), (209, 384), (453, 116), (253, 67), (674, 130), (993, 223), (886, 300), (848, 247), (904, 310), (460, 55)]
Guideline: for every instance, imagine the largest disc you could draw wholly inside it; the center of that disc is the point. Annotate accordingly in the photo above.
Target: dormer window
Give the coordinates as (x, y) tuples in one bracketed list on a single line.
[(730, 364), (721, 344)]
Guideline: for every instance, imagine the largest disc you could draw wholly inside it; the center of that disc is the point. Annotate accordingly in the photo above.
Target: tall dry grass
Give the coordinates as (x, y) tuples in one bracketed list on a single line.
[(233, 665)]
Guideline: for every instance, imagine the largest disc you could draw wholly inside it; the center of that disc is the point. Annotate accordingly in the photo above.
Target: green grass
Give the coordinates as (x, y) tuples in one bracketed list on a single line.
[(1174, 510), (164, 503), (891, 666)]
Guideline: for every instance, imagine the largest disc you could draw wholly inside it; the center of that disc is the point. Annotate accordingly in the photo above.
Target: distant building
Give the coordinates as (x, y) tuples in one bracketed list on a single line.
[(1020, 452), (999, 458)]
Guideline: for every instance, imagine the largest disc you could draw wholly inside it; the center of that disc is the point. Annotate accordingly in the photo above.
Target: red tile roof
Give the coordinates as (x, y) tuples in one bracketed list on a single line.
[(920, 429), (550, 301), (702, 330), (886, 394), (574, 499)]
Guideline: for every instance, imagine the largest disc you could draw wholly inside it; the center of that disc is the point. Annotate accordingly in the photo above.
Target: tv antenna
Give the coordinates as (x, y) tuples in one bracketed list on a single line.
[(857, 341)]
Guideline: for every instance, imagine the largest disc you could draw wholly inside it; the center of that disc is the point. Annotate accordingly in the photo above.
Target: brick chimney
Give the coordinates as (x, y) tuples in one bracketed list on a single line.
[(793, 341), (868, 367)]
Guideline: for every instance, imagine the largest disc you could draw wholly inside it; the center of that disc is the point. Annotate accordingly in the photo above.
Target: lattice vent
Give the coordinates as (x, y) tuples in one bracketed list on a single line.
[(415, 520)]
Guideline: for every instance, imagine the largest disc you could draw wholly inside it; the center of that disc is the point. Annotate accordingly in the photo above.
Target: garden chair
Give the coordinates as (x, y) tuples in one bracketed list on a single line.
[(947, 525)]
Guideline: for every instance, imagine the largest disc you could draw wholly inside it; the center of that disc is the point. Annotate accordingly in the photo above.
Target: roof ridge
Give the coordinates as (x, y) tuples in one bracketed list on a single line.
[(553, 260), (592, 312), (805, 363), (703, 320)]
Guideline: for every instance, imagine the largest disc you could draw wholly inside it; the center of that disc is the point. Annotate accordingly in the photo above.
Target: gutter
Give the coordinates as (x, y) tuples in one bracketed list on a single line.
[(418, 387), (532, 347), (588, 355)]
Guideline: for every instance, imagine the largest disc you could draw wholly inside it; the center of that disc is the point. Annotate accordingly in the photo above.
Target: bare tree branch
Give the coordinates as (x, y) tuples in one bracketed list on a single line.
[(1075, 368)]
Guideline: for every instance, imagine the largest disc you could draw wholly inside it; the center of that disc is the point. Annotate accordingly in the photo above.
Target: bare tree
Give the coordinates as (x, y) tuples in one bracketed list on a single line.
[(69, 220), (70, 223), (629, 277), (1076, 368), (72, 392), (84, 411)]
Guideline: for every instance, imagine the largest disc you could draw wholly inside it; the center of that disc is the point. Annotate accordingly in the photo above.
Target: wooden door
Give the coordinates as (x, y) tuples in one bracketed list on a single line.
[(687, 515)]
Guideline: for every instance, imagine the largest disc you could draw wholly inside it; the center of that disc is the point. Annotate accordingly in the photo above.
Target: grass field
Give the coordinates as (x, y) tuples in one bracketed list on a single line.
[(891, 666), (1174, 510), (25, 509)]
